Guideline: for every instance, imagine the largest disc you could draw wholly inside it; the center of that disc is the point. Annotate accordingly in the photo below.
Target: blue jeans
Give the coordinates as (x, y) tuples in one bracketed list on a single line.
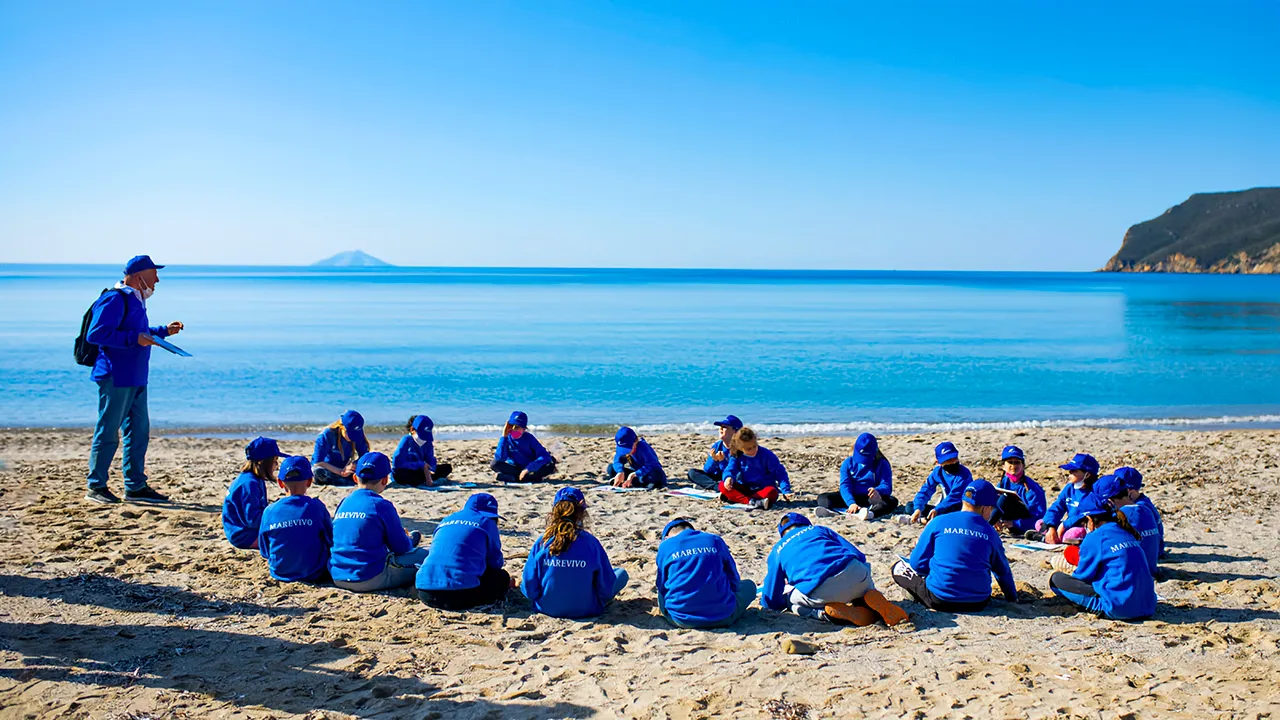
[(746, 595), (120, 407)]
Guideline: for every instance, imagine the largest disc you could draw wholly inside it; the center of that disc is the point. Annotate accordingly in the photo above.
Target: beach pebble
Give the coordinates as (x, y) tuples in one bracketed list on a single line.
[(796, 646)]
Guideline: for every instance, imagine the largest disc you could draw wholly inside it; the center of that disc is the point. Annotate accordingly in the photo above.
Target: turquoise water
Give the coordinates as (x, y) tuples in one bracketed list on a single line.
[(791, 351)]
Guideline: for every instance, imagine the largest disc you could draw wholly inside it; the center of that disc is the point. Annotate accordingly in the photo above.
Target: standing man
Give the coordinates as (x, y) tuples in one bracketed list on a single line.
[(119, 328)]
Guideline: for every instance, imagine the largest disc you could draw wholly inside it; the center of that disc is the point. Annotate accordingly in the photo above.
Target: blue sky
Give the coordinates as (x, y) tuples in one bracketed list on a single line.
[(955, 135)]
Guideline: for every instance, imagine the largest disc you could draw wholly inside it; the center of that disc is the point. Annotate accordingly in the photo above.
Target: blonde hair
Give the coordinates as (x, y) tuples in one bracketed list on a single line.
[(342, 430), (563, 523), (744, 437)]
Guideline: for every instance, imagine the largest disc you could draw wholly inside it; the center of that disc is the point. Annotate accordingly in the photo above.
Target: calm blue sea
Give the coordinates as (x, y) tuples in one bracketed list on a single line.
[(790, 351)]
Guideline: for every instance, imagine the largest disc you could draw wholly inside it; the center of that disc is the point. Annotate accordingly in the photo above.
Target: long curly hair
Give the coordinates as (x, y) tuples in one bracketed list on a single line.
[(563, 524)]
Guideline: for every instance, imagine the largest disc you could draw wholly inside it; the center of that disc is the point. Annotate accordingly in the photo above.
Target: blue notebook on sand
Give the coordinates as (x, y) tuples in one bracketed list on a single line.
[(161, 342)]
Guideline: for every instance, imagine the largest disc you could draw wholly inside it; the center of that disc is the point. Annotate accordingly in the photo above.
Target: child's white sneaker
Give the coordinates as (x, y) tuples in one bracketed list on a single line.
[(865, 514)]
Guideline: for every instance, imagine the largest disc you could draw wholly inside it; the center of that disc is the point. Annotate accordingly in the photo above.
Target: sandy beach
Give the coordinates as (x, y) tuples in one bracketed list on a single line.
[(146, 612)]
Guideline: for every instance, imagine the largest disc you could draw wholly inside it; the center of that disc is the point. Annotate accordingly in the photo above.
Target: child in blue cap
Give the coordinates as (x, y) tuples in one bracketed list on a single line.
[(1116, 494), (956, 555), (866, 484), (1061, 522), (1112, 577), (708, 478), (371, 549), (816, 573), (519, 456), (1133, 480), (1022, 503), (635, 464), (754, 475), (338, 447), (464, 568), (568, 574), (247, 497), (414, 461), (698, 581), (949, 476), (296, 533)]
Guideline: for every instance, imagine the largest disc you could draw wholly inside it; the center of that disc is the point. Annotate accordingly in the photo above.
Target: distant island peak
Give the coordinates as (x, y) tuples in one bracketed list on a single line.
[(351, 259)]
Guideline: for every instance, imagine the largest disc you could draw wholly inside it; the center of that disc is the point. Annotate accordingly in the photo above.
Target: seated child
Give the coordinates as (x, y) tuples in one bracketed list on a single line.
[(1133, 480), (296, 534), (414, 461), (1061, 522), (1017, 513), (950, 476), (519, 456), (568, 574), (247, 497), (1115, 493), (635, 464), (866, 484), (754, 475), (816, 573), (698, 582), (956, 555), (463, 570), (1113, 577), (338, 447), (371, 550), (708, 478)]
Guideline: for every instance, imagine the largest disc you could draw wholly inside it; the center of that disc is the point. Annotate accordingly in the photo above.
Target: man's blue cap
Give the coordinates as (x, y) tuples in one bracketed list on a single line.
[(483, 503), (625, 437), (980, 492), (138, 263), (422, 426), (674, 523), (261, 449), (295, 469), (519, 419), (1131, 478), (1109, 486), (572, 494), (373, 466), (1091, 504), (353, 422), (791, 520), (1082, 461), (946, 451), (729, 421), (1012, 452)]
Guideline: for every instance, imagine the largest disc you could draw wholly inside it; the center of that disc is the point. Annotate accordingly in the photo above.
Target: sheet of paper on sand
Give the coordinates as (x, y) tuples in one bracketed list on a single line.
[(1036, 545), (700, 494), (611, 488)]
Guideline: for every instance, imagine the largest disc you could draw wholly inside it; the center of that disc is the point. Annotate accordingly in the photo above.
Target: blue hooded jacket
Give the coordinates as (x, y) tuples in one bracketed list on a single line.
[(526, 453), (242, 510), (860, 472), (1115, 564), (366, 527), (715, 468), (577, 583), (697, 578), (645, 462), (1145, 502), (295, 537), (409, 455), (120, 357), (332, 449), (1032, 495), (957, 554), (953, 479), (1145, 523), (805, 558), (759, 472), (1063, 509), (464, 545)]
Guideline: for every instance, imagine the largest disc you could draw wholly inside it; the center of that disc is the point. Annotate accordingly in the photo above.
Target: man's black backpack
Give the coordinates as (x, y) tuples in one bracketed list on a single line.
[(87, 352)]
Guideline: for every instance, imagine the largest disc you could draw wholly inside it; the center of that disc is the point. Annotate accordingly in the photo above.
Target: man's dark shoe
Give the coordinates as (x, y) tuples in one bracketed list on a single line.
[(101, 495), (146, 495)]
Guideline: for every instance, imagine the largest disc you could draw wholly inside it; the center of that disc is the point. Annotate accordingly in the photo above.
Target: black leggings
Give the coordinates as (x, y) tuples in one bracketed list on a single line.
[(416, 478), (493, 587), (835, 501), (1063, 581), (913, 583), (510, 472), (1010, 508), (704, 481)]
